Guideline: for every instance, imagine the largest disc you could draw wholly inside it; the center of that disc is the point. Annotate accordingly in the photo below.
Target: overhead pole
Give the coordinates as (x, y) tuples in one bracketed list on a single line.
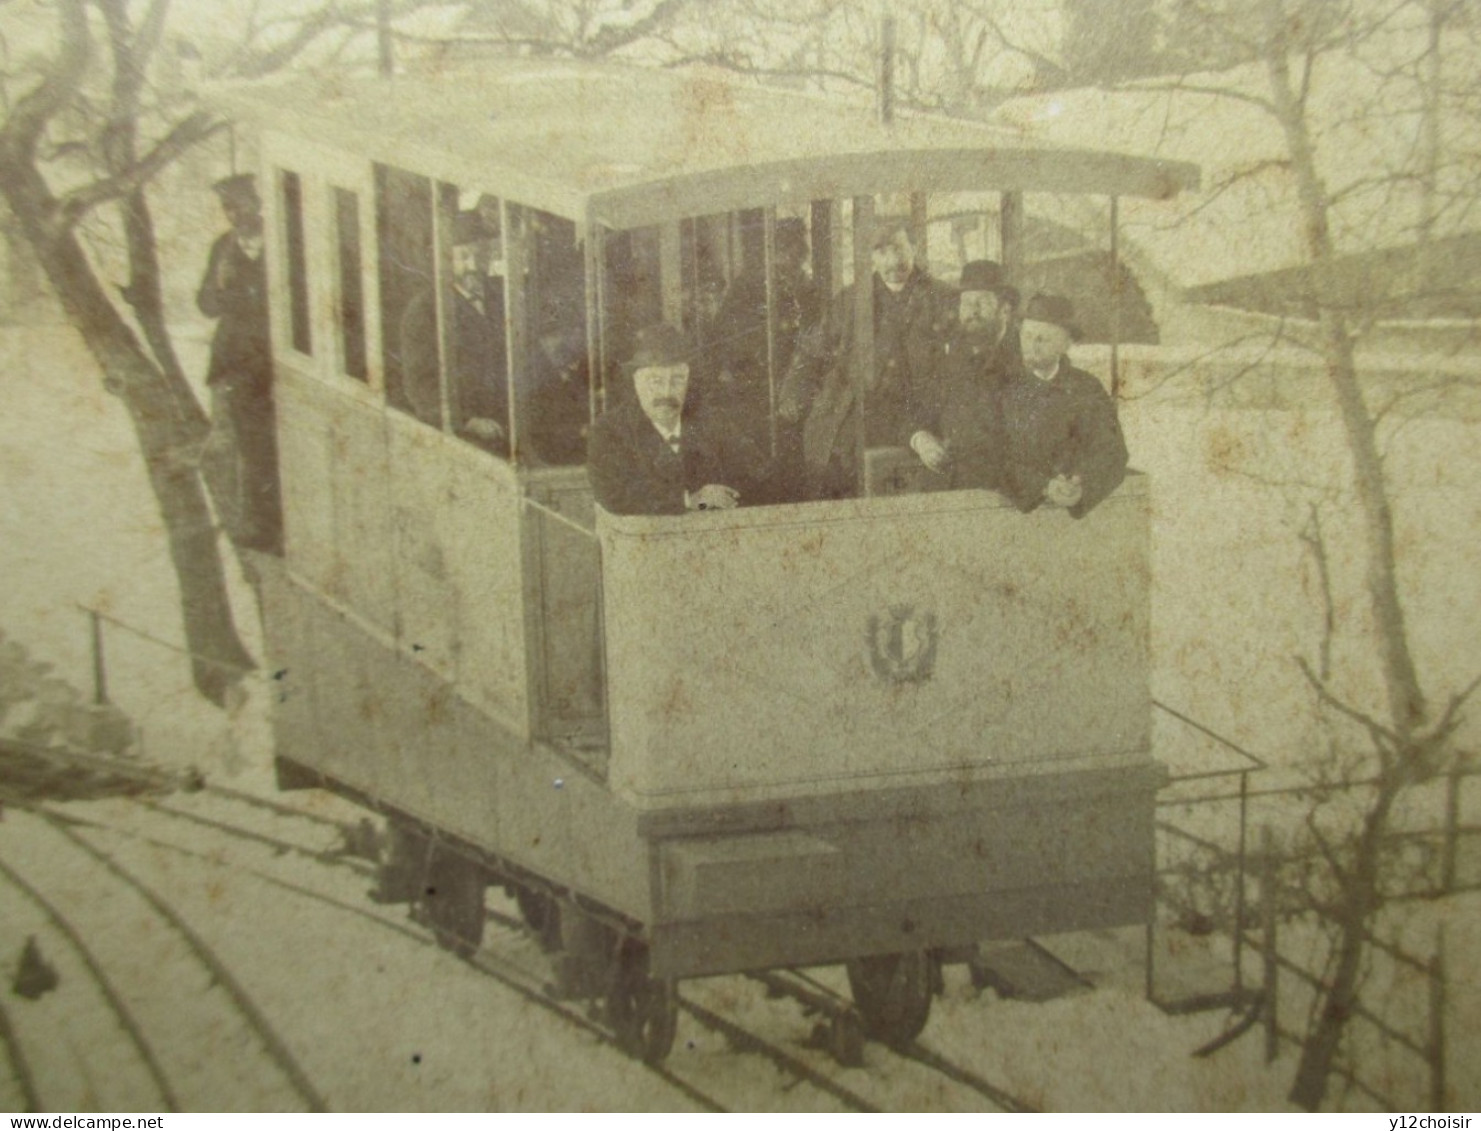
[(885, 86), (385, 46), (1116, 297)]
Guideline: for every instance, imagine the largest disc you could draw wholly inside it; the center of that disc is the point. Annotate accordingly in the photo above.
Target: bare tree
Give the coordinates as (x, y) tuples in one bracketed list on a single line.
[(1401, 736), (71, 144), (84, 135)]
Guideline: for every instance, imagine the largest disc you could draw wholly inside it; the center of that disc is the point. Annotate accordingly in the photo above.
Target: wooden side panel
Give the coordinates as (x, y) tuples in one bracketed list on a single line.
[(426, 592), (872, 642), (567, 660), (481, 527), (363, 547), (306, 469), (288, 644), (387, 727), (1050, 852)]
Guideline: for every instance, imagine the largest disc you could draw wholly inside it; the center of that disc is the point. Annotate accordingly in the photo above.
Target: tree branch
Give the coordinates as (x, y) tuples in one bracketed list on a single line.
[(43, 102), (1184, 87), (185, 134), (1383, 738), (610, 38)]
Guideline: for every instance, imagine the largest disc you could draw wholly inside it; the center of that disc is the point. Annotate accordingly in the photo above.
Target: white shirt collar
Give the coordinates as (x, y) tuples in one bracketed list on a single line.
[(668, 437)]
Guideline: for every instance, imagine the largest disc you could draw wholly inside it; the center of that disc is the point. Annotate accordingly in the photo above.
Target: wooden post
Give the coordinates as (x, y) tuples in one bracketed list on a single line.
[(520, 347), (1010, 225), (671, 273), (1272, 969), (862, 359), (1149, 969), (919, 227), (823, 254), (1244, 800), (1452, 832), (886, 88), (773, 378), (1115, 298), (100, 667), (596, 326), (1437, 1022), (444, 219), (385, 45)]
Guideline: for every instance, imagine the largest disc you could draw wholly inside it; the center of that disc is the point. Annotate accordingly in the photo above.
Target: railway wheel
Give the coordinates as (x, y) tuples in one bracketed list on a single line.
[(451, 903), (893, 993), (642, 1010)]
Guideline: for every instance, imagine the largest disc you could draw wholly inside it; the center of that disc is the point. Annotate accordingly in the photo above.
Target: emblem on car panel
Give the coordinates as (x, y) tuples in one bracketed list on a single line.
[(902, 645)]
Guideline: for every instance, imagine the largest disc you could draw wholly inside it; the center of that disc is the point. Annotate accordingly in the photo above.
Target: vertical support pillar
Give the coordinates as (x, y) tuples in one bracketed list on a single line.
[(596, 313), (1149, 970), (918, 227), (861, 359), (512, 229), (1115, 298), (385, 44), (885, 88), (671, 273), (100, 666), (1239, 881), (1010, 222), (1437, 1022), (444, 217), (768, 262), (1272, 967), (823, 228), (1451, 832)]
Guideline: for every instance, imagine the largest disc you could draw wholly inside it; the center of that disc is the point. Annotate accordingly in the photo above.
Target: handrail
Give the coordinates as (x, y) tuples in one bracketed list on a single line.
[(555, 514), (1258, 762), (181, 649)]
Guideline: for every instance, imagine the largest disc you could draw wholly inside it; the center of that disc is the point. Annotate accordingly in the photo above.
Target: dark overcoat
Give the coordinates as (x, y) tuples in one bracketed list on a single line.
[(634, 471), (478, 381), (908, 329), (1067, 426), (234, 292)]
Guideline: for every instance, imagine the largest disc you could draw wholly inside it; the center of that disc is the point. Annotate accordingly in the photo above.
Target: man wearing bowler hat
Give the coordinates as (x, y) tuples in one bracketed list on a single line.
[(961, 434), (240, 375), (1062, 440), (647, 456), (478, 371)]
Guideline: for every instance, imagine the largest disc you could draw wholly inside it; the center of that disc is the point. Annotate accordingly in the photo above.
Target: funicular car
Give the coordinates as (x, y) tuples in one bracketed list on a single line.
[(874, 730)]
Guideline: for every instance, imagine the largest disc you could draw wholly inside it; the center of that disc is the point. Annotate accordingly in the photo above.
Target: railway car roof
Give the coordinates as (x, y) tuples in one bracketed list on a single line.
[(627, 146)]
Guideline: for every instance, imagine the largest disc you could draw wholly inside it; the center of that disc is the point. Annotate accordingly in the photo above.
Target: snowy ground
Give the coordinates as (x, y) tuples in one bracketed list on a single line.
[(357, 1002)]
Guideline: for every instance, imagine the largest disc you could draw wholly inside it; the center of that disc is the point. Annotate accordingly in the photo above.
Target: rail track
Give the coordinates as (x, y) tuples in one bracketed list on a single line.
[(719, 1063)]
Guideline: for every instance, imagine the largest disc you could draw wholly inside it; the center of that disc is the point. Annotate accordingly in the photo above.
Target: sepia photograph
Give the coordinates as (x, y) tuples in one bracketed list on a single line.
[(740, 555)]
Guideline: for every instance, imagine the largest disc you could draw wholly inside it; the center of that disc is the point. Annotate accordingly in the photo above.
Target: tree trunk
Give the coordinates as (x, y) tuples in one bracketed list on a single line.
[(1359, 895), (167, 421)]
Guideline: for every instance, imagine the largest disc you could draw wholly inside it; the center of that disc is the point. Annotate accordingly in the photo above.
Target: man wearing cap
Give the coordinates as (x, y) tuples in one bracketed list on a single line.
[(478, 375), (908, 325), (647, 456), (962, 434), (240, 375), (1063, 443)]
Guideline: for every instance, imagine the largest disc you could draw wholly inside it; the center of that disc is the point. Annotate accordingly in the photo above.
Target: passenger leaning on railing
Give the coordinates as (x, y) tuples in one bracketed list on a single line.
[(648, 456)]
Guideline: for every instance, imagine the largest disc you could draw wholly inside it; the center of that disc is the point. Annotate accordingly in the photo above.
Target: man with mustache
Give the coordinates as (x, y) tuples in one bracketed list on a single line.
[(1063, 444), (646, 455), (963, 434), (477, 371), (909, 321)]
